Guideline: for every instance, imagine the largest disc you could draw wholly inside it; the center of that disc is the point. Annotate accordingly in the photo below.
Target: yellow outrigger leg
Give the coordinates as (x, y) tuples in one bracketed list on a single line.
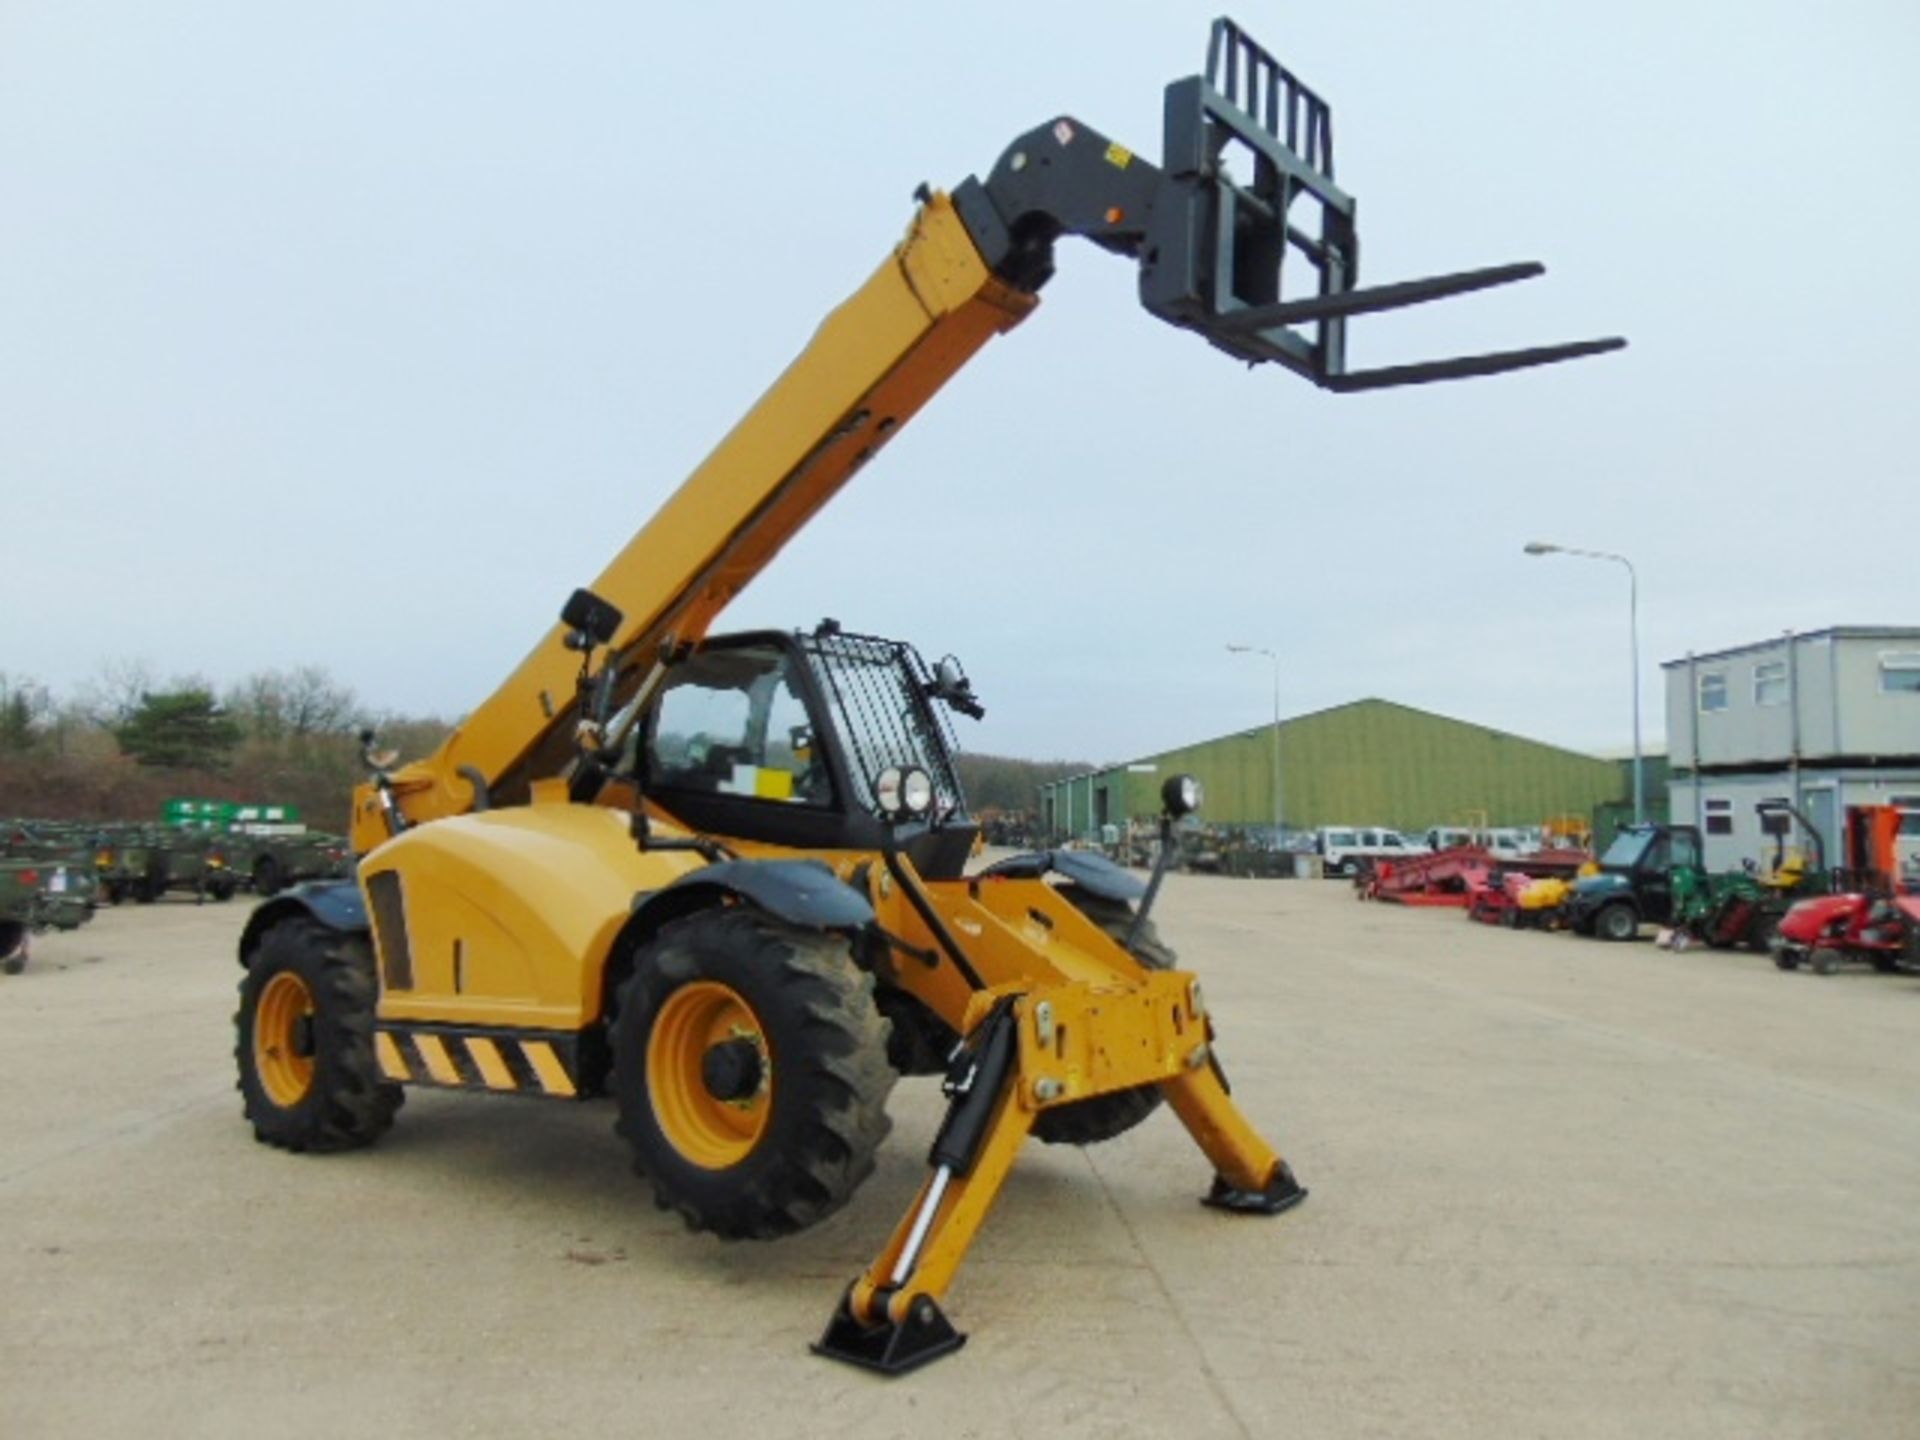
[(1025, 1052)]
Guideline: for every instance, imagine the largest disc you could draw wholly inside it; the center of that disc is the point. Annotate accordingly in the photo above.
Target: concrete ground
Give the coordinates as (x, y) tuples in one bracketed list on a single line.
[(1560, 1188)]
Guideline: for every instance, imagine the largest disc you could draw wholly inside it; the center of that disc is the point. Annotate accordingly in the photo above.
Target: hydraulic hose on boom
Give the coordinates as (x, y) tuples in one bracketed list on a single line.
[(1243, 199)]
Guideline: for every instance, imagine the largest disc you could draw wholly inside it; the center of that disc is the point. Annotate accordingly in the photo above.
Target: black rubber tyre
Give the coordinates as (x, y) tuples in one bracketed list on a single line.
[(824, 1048), (346, 1102), (1824, 960), (13, 945), (1088, 1122), (1786, 959), (1616, 922), (222, 892), (266, 876), (1761, 934), (1885, 964)]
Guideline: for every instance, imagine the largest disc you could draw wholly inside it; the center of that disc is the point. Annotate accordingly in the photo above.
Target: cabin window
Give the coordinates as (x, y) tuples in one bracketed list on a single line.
[(1713, 691)]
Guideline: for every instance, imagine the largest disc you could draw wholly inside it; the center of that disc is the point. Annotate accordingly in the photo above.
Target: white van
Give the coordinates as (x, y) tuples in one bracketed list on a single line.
[(1503, 842), (1345, 849)]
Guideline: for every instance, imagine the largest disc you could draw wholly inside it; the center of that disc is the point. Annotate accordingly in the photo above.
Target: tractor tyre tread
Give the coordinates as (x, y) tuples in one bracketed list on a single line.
[(830, 1086), (350, 1103)]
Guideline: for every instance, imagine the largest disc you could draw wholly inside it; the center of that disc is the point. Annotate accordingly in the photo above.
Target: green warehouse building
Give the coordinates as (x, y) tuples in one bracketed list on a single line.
[(1370, 762)]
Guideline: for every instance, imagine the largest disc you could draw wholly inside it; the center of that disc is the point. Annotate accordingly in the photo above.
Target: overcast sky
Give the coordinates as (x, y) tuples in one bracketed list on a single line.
[(358, 334)]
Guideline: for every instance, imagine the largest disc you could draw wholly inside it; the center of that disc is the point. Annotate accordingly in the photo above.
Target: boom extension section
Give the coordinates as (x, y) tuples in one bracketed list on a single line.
[(1212, 250)]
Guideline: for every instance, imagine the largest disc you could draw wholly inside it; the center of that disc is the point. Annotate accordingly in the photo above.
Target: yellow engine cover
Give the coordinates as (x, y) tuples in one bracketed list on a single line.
[(506, 918)]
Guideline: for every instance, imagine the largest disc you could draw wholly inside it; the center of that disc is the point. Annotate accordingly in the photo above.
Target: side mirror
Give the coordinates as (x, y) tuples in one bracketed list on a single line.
[(590, 620), (951, 685), (1181, 795), (378, 761)]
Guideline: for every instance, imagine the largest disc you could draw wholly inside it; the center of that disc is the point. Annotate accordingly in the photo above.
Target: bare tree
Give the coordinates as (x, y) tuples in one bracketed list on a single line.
[(316, 703), (116, 690), (26, 710)]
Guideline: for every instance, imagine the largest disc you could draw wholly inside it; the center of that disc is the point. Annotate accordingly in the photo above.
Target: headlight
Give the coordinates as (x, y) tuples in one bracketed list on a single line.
[(901, 793), (1181, 795), (916, 792)]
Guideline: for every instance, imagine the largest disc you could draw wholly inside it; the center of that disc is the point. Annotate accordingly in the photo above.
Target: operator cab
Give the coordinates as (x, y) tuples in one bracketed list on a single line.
[(788, 739)]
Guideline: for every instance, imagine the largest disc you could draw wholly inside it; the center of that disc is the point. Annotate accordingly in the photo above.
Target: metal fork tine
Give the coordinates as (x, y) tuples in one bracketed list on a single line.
[(1376, 297), (1467, 366)]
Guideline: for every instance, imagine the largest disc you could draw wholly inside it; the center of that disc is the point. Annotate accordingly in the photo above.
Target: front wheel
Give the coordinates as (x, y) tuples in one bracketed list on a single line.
[(308, 1077), (750, 1070), (266, 877), (1616, 922), (1825, 959)]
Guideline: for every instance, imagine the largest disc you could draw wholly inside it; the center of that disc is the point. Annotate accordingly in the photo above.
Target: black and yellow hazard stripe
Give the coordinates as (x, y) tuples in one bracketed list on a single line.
[(459, 1057)]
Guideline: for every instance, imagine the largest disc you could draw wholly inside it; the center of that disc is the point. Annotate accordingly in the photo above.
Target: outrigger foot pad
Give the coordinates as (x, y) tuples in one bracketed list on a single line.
[(892, 1349), (1283, 1192)]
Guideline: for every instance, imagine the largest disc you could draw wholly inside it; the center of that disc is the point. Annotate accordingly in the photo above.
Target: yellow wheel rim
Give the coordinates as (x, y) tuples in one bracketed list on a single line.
[(282, 1044), (708, 1131)]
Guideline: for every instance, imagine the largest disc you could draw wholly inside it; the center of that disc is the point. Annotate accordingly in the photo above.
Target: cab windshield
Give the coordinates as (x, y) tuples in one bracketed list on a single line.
[(1625, 850)]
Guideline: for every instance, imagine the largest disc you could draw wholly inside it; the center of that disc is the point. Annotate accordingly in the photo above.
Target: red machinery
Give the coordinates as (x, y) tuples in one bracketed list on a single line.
[(1468, 876), (1871, 914)]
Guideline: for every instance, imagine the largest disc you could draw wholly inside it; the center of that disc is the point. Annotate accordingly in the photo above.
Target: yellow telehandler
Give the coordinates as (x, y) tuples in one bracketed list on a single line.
[(724, 880)]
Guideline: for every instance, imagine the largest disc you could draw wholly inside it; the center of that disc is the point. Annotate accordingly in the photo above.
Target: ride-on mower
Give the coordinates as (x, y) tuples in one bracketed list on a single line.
[(1872, 914)]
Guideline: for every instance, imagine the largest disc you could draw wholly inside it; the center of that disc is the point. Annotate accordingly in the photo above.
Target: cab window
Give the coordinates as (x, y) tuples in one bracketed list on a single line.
[(731, 722)]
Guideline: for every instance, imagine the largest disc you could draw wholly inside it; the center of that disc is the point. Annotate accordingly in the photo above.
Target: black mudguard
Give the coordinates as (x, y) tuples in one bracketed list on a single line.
[(1088, 869), (800, 892), (336, 904)]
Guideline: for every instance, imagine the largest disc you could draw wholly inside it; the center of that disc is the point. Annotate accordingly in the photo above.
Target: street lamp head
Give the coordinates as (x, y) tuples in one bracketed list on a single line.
[(1540, 547)]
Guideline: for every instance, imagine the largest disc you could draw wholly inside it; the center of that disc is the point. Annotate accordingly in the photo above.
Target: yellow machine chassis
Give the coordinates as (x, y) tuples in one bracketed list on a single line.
[(495, 933)]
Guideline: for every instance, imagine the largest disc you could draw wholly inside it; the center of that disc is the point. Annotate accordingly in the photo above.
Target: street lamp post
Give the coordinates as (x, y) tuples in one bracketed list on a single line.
[(1278, 822), (1541, 547)]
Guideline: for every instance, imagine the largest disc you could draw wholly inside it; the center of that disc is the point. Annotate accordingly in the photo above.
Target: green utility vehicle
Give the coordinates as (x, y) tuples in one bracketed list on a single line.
[(1635, 883), (38, 895), (273, 862)]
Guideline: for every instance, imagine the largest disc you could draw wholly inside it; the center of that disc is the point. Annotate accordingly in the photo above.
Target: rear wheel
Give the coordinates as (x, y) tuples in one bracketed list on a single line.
[(13, 947), (1763, 932), (308, 1076), (750, 1069), (266, 876), (1087, 1122), (1616, 922), (1787, 959)]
